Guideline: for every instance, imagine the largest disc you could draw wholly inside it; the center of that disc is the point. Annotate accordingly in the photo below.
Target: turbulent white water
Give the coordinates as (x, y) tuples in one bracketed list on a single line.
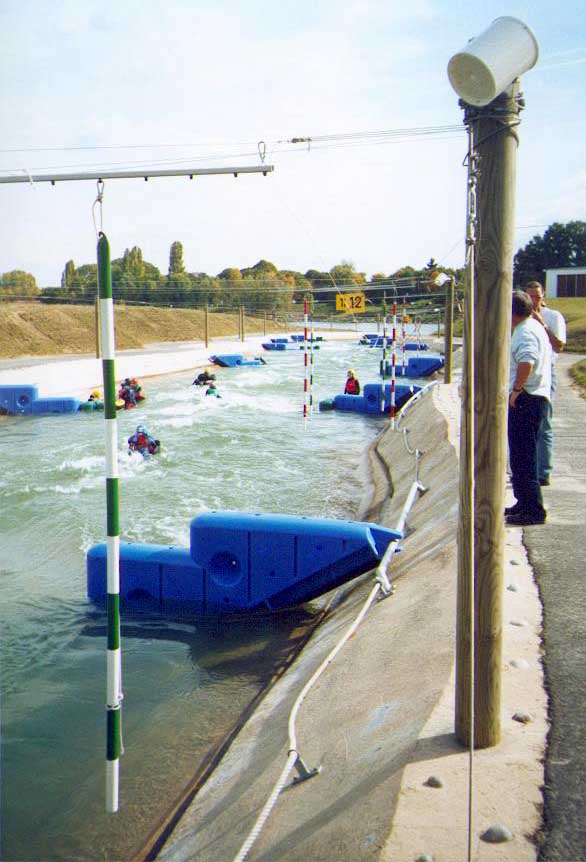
[(185, 683)]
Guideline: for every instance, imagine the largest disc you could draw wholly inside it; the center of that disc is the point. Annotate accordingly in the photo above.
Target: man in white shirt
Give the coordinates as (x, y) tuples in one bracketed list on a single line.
[(529, 394), (555, 327)]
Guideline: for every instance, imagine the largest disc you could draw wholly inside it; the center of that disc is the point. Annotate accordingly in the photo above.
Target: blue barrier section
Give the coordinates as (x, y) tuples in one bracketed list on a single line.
[(371, 399), (239, 561), (18, 400), (25, 401), (233, 360), (55, 405), (416, 367), (378, 341)]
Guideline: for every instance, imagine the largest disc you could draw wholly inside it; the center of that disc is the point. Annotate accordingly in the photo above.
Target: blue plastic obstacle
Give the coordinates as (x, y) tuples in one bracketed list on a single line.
[(25, 401), (371, 400), (233, 360), (373, 340), (239, 561), (416, 367), (299, 338)]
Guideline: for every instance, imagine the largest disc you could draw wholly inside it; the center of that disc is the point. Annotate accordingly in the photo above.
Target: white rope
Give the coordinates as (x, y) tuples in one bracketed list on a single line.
[(293, 754)]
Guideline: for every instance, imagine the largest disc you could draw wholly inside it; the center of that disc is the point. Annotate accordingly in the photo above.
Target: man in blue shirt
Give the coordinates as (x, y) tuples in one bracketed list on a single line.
[(529, 398)]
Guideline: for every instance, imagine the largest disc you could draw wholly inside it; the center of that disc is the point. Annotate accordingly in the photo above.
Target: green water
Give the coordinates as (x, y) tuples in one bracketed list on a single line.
[(185, 681)]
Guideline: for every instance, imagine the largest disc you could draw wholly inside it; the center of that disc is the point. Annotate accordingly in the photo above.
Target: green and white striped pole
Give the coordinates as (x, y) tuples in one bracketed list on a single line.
[(114, 668)]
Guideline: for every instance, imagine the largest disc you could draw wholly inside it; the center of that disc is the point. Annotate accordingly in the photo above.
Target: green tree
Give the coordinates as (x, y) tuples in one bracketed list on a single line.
[(176, 265), (561, 245), (19, 283), (345, 274), (68, 273), (230, 274), (263, 270)]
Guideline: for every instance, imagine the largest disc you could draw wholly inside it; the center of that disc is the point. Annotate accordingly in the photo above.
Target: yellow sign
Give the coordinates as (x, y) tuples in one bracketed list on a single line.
[(351, 303)]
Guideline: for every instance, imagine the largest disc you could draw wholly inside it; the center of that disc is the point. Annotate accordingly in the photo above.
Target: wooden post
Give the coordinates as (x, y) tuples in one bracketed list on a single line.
[(241, 323), (495, 136), (448, 329), (206, 326), (264, 323)]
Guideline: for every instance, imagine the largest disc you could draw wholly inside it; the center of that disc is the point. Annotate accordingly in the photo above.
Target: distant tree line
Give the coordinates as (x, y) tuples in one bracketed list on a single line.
[(264, 287)]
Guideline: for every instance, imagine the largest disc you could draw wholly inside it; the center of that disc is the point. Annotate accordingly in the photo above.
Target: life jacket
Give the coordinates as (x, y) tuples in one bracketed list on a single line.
[(352, 387), (139, 442)]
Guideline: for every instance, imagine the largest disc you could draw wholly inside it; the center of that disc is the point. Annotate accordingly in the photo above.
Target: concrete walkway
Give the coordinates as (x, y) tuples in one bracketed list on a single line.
[(556, 553)]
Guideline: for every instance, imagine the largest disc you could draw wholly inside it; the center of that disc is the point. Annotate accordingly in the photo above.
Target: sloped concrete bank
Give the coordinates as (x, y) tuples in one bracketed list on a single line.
[(361, 721)]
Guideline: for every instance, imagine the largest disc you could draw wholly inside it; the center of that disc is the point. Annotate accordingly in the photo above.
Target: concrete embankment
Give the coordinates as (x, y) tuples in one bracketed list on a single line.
[(383, 708)]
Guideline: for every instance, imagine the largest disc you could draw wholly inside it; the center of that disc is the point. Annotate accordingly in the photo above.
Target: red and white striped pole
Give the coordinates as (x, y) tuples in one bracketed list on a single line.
[(306, 365), (393, 364), (311, 364), (403, 339), (383, 364)]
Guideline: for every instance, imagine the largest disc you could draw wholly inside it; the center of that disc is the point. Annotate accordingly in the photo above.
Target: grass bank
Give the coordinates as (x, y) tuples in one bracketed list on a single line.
[(29, 329)]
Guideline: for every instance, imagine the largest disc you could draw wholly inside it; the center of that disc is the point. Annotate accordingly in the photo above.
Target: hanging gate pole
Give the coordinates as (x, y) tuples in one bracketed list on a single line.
[(114, 663)]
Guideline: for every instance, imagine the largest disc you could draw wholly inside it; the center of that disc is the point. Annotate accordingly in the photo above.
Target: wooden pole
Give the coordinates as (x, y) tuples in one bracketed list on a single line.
[(482, 494), (264, 323), (241, 323), (448, 329), (206, 327)]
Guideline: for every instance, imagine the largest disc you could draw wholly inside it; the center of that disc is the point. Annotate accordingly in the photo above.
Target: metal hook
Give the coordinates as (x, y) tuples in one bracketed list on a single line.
[(262, 151), (98, 200)]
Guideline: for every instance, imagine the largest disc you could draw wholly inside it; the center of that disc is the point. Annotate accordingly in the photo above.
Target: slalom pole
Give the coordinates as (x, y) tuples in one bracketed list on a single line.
[(393, 364), (305, 366), (383, 363), (311, 360), (403, 338), (114, 661)]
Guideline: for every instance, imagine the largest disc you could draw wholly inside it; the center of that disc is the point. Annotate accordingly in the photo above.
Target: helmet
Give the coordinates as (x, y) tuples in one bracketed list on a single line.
[(141, 429), (134, 381), (350, 372), (96, 393)]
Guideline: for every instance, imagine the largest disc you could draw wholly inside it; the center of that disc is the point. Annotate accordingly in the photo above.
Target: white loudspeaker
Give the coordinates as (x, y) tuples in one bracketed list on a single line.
[(491, 62)]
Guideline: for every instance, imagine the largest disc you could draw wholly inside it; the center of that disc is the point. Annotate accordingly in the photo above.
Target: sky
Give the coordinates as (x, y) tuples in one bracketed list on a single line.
[(118, 84)]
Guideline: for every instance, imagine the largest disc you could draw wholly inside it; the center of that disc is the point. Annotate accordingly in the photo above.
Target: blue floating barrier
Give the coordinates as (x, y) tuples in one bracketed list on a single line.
[(371, 400), (55, 405), (233, 360), (18, 400), (416, 367), (239, 561), (25, 401)]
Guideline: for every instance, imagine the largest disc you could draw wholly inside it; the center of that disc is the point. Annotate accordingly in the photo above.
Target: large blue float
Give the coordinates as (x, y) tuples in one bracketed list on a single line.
[(375, 399), (239, 561), (416, 367), (25, 401), (373, 340), (234, 360)]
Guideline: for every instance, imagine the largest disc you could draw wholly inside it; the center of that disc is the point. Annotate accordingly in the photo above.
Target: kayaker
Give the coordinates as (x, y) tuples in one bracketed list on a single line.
[(352, 386)]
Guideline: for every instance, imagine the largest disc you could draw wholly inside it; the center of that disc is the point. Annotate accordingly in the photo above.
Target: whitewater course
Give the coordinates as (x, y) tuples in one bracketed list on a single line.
[(222, 716)]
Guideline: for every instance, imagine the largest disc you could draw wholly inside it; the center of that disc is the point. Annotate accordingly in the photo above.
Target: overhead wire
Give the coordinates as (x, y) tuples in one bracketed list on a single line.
[(318, 142)]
